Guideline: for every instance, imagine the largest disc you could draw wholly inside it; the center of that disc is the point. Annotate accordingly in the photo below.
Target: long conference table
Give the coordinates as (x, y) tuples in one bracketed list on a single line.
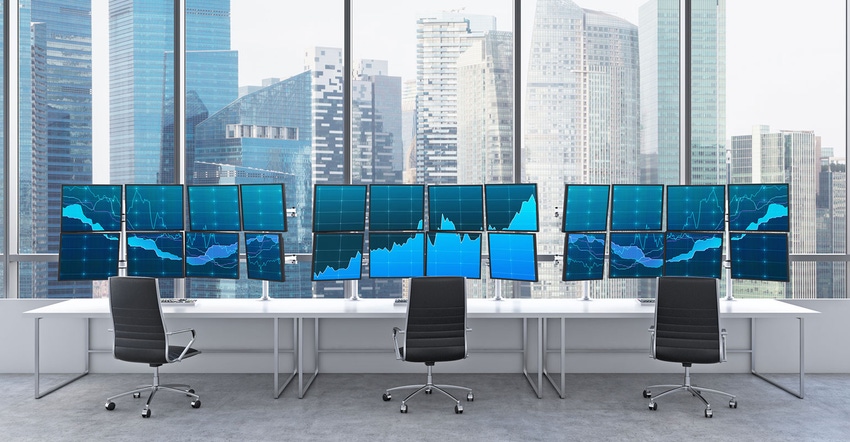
[(539, 311)]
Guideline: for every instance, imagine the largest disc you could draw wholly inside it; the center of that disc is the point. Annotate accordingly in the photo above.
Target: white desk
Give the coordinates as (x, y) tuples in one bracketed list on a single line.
[(298, 310)]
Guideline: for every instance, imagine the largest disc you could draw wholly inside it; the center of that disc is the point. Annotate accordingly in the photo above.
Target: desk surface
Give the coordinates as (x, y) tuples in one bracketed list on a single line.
[(386, 308)]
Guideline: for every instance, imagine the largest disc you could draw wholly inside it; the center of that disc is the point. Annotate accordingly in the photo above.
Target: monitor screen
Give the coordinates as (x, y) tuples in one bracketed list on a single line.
[(584, 256), (455, 208), (513, 256), (758, 207), (396, 207), (692, 208), (154, 207), (214, 208), (511, 207), (94, 208), (155, 254), (693, 254), (637, 206), (337, 256), (212, 255), (396, 255), (264, 256), (636, 255), (88, 256), (586, 207), (453, 254), (263, 207), (339, 208), (759, 256)]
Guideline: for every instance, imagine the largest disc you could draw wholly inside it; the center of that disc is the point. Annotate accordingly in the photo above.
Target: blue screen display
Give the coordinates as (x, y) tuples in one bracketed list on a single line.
[(511, 207), (154, 207), (94, 208), (337, 256), (584, 256), (214, 208), (759, 256), (696, 208), (264, 256), (339, 208), (453, 254), (513, 256), (396, 207), (636, 255), (263, 207), (586, 208), (758, 207), (212, 255), (455, 208), (88, 256), (396, 255), (637, 207), (155, 254), (693, 254)]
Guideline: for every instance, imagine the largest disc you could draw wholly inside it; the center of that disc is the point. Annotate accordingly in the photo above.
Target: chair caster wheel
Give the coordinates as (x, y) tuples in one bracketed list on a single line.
[(428, 391), (470, 397), (196, 403), (708, 412), (137, 395), (458, 409), (386, 397), (403, 408), (647, 394), (110, 406), (733, 404), (653, 406), (146, 413), (190, 392)]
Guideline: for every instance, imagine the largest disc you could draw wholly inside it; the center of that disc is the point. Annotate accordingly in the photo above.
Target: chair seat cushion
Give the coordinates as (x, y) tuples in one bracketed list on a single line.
[(438, 354), (174, 352)]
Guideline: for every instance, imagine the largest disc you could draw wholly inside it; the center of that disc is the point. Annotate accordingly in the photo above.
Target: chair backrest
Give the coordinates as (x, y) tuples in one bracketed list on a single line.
[(436, 320), (137, 320), (687, 320)]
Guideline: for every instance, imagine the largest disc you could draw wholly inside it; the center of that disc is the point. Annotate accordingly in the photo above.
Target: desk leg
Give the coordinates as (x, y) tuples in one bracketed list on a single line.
[(534, 386), (279, 390), (802, 371), (561, 391), (37, 367), (302, 388)]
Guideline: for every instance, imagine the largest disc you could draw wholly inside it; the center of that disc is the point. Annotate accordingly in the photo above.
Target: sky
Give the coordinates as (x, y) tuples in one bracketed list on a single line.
[(786, 64)]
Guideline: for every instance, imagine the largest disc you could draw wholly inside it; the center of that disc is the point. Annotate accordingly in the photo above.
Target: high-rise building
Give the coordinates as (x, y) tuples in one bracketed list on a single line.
[(376, 140), (832, 227), (325, 65)]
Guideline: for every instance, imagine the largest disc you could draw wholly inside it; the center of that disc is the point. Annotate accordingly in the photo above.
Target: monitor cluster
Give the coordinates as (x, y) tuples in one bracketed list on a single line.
[(406, 240), (150, 218), (626, 222)]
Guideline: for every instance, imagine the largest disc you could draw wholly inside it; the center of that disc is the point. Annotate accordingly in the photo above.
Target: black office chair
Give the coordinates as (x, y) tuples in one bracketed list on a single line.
[(435, 331), (141, 336), (687, 331)]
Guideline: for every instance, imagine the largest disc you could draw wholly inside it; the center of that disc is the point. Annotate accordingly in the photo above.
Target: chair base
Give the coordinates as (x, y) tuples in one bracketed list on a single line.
[(153, 388), (429, 388), (693, 389)]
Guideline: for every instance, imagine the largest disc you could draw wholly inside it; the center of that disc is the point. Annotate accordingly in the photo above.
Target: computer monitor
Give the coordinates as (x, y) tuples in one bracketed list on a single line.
[(396, 207), (88, 256), (758, 207), (337, 256), (456, 208), (212, 255), (696, 208), (396, 255), (636, 206), (586, 207), (155, 254), (214, 208), (511, 207), (339, 208), (513, 256), (636, 255), (264, 256), (584, 256), (759, 256), (263, 207), (154, 207), (453, 254), (91, 208), (693, 254)]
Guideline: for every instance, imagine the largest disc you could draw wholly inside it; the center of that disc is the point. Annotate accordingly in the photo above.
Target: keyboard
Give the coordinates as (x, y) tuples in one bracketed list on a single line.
[(646, 301), (177, 301)]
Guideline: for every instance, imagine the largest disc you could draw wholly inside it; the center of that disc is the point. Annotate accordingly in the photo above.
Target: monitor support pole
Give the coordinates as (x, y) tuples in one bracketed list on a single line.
[(498, 290), (586, 292), (351, 288), (265, 296)]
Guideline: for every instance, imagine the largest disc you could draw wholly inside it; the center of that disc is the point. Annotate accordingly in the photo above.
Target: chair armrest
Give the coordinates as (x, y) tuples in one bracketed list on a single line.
[(186, 348), (397, 331), (723, 345), (652, 341)]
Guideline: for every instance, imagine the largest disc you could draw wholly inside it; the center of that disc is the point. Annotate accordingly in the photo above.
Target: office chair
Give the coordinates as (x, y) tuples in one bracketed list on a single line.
[(687, 331), (435, 331), (141, 336)]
